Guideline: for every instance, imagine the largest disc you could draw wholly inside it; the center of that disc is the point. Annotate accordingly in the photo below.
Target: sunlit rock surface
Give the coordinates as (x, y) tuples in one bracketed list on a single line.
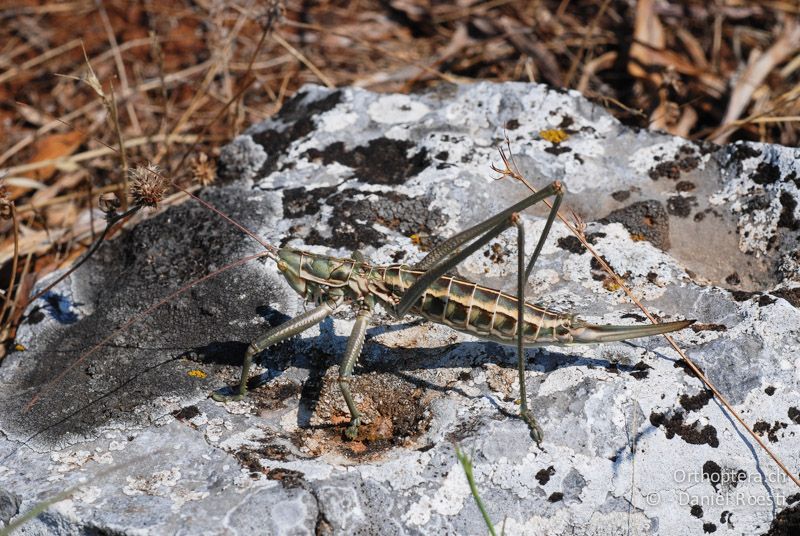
[(633, 441)]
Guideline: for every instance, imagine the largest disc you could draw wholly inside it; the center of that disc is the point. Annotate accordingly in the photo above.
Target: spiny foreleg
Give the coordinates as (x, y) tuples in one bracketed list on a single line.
[(275, 335)]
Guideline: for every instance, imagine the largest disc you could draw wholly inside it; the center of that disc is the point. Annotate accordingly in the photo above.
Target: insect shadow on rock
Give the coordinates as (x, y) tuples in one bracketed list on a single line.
[(425, 290)]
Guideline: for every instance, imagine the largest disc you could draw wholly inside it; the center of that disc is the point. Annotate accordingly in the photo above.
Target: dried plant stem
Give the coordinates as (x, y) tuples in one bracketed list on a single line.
[(511, 171), (466, 464), (123, 159), (49, 54), (578, 60), (388, 53), (249, 79), (304, 60), (7, 301)]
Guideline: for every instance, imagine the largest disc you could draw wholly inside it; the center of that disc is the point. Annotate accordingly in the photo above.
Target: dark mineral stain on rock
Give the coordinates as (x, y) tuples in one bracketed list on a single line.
[(708, 528), (543, 476), (713, 473), (763, 427), (786, 522), (355, 213), (621, 195), (743, 152), (794, 414), (641, 370), (697, 328), (792, 295), (685, 186), (681, 206), (299, 202), (555, 497), (765, 299), (557, 149), (646, 219), (571, 244), (381, 161), (691, 433), (686, 160), (695, 402), (787, 218), (298, 116), (742, 295), (766, 173), (287, 477), (696, 510), (187, 413)]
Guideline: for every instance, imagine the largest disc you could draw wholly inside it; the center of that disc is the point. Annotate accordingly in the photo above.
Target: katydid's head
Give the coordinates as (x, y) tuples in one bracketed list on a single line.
[(289, 262)]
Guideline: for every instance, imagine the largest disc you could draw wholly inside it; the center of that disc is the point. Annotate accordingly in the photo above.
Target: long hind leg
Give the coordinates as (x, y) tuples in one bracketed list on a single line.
[(275, 335), (523, 273), (459, 247), (354, 346)]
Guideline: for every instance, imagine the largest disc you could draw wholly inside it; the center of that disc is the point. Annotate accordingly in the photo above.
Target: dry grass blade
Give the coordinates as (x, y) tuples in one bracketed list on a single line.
[(510, 170), (755, 73), (8, 211)]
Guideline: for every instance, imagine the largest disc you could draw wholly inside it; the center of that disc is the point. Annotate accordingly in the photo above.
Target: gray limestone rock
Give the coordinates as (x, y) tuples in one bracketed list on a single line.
[(633, 441)]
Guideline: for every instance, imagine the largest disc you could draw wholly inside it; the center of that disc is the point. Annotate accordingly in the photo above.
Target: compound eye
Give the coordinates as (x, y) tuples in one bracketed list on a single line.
[(282, 266)]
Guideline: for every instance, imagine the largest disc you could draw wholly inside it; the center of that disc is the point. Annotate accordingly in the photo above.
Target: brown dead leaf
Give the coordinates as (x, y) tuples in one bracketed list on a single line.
[(53, 146)]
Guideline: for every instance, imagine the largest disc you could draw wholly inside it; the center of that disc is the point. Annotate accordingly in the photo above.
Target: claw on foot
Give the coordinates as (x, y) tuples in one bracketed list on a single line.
[(220, 397), (536, 431), (352, 431)]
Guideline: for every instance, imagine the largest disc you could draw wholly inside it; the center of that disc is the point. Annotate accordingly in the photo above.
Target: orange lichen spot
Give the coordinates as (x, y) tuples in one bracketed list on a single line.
[(415, 239), (637, 237), (197, 373), (20, 347), (554, 135)]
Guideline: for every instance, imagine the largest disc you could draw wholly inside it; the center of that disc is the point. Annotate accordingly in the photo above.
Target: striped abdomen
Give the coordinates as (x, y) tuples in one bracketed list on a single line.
[(466, 306)]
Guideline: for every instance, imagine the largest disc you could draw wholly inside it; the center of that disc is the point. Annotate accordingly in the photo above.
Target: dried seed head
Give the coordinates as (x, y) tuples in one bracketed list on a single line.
[(148, 185), (204, 170), (273, 13)]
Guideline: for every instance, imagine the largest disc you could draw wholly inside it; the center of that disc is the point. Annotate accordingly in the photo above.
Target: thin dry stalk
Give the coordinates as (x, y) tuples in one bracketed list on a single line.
[(123, 76), (121, 141), (8, 207), (304, 60), (578, 60), (249, 79), (511, 170)]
